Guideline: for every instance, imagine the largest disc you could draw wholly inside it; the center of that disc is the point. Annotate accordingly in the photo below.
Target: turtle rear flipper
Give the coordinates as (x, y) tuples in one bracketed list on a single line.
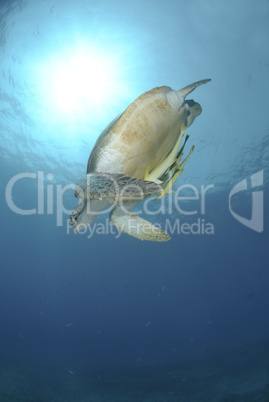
[(130, 223)]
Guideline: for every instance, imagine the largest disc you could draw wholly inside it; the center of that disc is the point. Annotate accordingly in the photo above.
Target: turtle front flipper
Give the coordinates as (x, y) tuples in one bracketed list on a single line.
[(130, 223), (114, 187)]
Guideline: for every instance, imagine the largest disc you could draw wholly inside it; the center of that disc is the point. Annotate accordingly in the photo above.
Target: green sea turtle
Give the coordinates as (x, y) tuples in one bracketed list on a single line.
[(136, 156)]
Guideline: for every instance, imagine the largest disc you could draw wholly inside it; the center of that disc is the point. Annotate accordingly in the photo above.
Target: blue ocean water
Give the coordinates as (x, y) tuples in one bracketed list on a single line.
[(101, 316)]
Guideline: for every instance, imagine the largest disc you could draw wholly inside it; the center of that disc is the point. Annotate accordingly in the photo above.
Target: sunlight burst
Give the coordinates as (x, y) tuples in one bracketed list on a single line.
[(81, 81)]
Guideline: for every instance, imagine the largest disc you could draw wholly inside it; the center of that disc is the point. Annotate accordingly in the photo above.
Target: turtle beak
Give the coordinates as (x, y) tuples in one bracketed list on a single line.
[(189, 88), (82, 216)]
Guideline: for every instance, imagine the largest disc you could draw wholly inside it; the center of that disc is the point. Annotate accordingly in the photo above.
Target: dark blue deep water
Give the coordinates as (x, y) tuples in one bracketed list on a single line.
[(103, 317)]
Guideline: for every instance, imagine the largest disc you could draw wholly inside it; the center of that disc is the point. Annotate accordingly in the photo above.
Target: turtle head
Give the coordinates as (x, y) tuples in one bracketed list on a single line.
[(94, 200), (86, 212), (100, 191), (79, 219)]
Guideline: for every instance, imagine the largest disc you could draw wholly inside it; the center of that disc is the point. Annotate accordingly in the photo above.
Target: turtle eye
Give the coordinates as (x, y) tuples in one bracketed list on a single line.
[(74, 216), (72, 219)]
